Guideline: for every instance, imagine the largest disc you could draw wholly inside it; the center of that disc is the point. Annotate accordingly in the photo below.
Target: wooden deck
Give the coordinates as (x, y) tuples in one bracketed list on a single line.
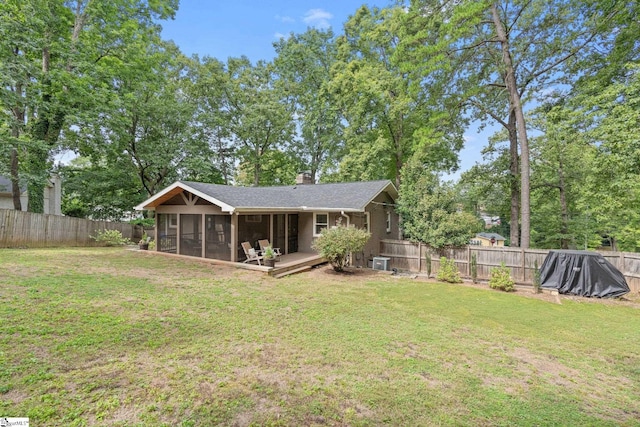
[(286, 265), (294, 263)]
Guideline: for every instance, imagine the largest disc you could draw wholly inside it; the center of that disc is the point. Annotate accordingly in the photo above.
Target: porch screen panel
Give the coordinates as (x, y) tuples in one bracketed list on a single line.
[(191, 234), (279, 227), (252, 228), (218, 237), (167, 232)]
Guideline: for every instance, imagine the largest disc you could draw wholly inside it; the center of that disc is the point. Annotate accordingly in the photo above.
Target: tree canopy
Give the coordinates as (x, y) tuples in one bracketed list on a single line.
[(389, 95)]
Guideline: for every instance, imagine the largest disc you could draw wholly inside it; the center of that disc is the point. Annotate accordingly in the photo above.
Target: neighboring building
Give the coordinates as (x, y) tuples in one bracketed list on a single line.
[(211, 221), (52, 195), (487, 239)]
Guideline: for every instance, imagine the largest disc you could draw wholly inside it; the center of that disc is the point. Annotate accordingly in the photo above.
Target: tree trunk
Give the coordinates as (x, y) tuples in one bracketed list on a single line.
[(515, 104), (564, 225), (15, 181), (18, 114), (514, 183)]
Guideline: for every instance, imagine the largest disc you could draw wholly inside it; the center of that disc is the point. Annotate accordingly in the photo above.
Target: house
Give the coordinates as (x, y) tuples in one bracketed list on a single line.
[(488, 239), (211, 221), (52, 195)]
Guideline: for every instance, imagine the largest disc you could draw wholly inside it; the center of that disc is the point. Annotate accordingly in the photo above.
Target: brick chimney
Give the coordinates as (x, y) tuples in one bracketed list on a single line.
[(304, 178)]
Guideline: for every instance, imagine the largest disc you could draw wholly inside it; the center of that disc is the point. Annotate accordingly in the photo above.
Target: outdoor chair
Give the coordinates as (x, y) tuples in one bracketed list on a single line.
[(263, 245), (251, 253)]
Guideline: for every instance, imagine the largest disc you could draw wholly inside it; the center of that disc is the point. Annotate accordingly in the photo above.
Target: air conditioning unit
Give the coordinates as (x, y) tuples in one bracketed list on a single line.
[(381, 263)]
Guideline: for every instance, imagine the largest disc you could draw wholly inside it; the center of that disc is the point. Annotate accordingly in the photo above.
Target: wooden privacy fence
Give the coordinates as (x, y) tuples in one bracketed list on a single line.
[(26, 229), (522, 262)]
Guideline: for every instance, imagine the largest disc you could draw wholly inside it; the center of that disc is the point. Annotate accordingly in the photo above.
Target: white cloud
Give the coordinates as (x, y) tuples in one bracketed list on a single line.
[(317, 18), (285, 18), (279, 36)]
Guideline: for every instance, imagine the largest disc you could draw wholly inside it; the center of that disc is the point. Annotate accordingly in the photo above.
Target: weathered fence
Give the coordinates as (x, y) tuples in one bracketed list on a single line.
[(522, 262), (26, 229)]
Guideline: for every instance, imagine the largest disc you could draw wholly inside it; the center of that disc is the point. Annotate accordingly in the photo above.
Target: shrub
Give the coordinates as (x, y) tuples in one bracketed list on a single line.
[(110, 238), (474, 267), (448, 271), (336, 243), (501, 278), (536, 277)]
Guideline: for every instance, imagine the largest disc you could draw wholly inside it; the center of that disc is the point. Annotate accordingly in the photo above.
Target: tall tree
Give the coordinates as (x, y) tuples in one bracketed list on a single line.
[(506, 53), (146, 126), (304, 64), (258, 113), (58, 55), (390, 113)]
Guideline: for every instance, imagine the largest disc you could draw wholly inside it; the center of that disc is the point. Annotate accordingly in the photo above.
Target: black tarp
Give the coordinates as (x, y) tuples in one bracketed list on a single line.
[(582, 273)]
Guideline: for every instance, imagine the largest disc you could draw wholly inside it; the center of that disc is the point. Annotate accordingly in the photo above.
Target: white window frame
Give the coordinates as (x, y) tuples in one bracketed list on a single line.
[(172, 220), (367, 222), (316, 223), (388, 221)]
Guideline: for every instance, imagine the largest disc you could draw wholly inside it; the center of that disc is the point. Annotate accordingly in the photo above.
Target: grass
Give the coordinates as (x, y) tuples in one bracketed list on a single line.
[(119, 338)]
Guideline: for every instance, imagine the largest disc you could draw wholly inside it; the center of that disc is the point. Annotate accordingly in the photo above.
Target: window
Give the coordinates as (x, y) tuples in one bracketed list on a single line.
[(254, 218), (365, 224), (173, 220), (320, 222), (388, 222)]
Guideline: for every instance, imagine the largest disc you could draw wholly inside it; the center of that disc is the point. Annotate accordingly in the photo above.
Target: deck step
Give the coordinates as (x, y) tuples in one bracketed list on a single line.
[(294, 271)]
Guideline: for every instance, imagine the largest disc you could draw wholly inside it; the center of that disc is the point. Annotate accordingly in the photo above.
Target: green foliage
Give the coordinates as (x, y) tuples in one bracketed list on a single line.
[(429, 210), (269, 253), (110, 238), (336, 243), (427, 257), (474, 267), (144, 222), (448, 271), (500, 278)]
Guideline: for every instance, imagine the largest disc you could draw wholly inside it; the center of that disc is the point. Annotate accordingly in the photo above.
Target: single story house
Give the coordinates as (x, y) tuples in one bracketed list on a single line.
[(488, 239), (212, 221), (52, 195)]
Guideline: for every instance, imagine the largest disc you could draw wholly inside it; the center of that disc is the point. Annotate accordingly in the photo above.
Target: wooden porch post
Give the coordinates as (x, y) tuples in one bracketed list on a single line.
[(234, 238), (203, 235)]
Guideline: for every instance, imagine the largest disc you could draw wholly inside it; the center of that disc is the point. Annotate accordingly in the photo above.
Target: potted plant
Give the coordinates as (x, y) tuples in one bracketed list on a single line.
[(143, 244), (269, 257)]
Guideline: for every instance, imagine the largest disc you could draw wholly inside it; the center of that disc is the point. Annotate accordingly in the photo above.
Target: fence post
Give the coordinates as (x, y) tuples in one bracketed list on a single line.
[(419, 257), (468, 260)]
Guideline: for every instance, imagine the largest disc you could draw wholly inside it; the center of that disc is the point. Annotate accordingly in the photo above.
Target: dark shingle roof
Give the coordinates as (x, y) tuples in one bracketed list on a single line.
[(348, 196)]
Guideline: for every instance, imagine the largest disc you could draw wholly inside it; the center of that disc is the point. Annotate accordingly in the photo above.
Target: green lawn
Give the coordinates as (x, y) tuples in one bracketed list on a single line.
[(115, 337)]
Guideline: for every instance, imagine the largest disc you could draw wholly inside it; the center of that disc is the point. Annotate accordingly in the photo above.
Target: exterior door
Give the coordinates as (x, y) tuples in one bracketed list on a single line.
[(292, 231)]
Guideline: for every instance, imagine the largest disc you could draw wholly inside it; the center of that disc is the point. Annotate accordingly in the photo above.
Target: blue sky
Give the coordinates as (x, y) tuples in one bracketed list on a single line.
[(223, 29)]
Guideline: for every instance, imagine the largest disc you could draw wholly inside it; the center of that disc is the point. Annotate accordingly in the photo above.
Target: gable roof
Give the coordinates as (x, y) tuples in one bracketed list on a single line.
[(347, 196), (490, 235)]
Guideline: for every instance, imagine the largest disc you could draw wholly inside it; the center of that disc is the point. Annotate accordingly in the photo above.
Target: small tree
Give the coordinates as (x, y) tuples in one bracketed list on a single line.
[(474, 267), (336, 243)]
